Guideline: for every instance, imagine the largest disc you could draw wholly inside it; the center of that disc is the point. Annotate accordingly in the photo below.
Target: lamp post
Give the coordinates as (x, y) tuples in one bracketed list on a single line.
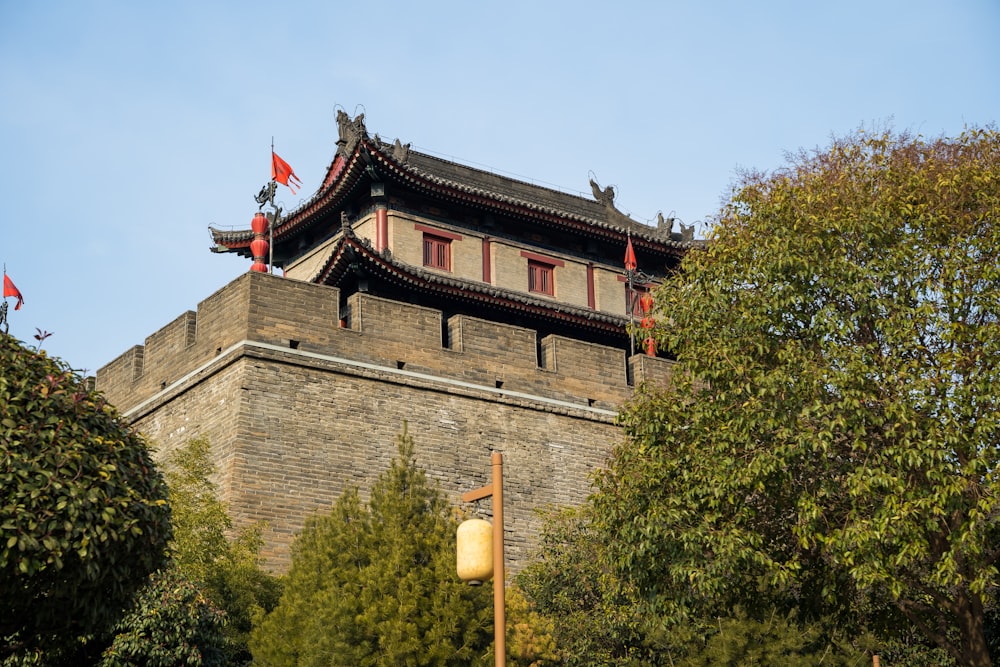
[(495, 489)]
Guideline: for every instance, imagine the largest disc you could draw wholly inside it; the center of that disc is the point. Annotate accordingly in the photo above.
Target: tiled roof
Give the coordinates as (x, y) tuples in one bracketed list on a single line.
[(350, 252), (360, 156)]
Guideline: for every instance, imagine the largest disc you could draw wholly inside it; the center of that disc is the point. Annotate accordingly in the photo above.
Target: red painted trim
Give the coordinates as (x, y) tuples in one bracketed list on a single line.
[(434, 231), (487, 262), (336, 265), (381, 228), (335, 170), (541, 278), (437, 252), (542, 259), (591, 297)]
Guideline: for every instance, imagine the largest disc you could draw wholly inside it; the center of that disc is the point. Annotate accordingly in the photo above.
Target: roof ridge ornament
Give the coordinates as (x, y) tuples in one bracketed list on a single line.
[(400, 151), (345, 225), (351, 132), (266, 194), (605, 196), (665, 225)]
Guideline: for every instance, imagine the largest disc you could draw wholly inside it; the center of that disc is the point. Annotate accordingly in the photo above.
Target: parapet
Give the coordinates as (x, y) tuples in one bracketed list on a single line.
[(304, 317)]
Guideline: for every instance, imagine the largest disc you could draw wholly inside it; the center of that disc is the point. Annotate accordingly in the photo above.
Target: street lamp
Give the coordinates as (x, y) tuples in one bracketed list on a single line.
[(470, 552)]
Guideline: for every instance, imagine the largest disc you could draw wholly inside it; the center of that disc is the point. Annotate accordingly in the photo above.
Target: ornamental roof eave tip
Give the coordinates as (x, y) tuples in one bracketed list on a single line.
[(224, 238)]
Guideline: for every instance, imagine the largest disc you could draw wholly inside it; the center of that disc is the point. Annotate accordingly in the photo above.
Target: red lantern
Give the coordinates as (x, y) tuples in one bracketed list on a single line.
[(259, 267), (646, 302), (259, 248), (647, 322), (650, 345), (259, 223)]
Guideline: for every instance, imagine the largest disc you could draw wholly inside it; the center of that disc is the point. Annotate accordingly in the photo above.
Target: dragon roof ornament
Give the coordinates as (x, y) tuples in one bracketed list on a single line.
[(351, 132)]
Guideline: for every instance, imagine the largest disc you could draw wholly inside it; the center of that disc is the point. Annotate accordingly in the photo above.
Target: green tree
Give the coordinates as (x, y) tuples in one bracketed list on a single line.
[(375, 584), (170, 623), (596, 617), (199, 609), (83, 512), (531, 638), (599, 618), (834, 426), (226, 569), (738, 639)]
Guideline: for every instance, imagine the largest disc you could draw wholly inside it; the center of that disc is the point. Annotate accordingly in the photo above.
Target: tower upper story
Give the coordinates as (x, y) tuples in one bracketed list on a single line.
[(396, 223)]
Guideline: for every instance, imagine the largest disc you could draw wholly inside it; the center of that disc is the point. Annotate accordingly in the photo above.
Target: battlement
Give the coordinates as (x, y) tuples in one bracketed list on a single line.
[(294, 315)]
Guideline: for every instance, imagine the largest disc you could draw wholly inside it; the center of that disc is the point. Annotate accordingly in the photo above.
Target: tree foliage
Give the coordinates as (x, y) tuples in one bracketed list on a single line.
[(530, 639), (833, 431), (595, 615), (225, 567), (600, 618), (83, 512), (199, 517), (170, 623), (375, 584)]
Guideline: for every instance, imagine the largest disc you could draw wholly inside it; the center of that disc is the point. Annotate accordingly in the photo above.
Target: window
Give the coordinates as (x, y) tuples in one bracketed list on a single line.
[(437, 246), (540, 278), (541, 273), (437, 252)]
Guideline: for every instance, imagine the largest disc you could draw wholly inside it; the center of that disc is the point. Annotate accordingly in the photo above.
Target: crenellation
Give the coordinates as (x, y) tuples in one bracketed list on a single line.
[(492, 353), (643, 369), (172, 339), (302, 316)]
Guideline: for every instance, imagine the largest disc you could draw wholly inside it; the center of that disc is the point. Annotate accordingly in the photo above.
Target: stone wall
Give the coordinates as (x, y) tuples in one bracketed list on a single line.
[(300, 400)]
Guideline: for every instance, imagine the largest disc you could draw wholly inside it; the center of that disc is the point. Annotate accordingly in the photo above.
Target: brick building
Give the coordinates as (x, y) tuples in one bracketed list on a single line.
[(487, 313)]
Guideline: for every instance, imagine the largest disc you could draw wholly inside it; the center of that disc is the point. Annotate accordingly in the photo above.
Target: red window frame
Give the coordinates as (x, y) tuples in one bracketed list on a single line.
[(437, 252), (541, 278), (541, 273)]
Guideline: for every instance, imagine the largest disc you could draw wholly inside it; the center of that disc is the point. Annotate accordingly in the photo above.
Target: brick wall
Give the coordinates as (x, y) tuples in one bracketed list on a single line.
[(297, 408)]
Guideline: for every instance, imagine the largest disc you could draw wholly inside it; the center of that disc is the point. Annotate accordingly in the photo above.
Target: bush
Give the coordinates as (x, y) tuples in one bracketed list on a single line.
[(83, 512)]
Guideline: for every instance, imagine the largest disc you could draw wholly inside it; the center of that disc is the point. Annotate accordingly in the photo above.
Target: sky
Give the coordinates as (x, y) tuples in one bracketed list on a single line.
[(127, 128)]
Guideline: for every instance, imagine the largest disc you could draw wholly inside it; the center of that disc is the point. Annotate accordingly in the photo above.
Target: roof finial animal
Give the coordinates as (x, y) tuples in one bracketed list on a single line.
[(605, 196)]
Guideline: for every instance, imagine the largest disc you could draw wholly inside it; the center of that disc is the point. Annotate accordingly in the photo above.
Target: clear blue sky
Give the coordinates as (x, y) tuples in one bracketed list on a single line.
[(127, 128)]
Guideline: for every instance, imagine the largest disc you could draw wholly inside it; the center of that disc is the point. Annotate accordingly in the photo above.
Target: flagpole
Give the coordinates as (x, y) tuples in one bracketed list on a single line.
[(630, 302), (274, 215)]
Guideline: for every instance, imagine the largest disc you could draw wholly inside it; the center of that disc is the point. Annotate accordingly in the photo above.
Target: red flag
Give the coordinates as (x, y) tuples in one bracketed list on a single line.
[(282, 172), (10, 290), (630, 263)]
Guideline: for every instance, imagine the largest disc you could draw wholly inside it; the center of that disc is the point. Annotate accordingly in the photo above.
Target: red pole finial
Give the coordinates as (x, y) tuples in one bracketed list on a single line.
[(630, 263)]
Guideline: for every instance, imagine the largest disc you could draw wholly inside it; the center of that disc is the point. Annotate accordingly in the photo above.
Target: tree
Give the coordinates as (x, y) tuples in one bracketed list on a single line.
[(227, 570), (170, 623), (83, 512), (375, 584), (832, 435), (531, 641), (596, 617)]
